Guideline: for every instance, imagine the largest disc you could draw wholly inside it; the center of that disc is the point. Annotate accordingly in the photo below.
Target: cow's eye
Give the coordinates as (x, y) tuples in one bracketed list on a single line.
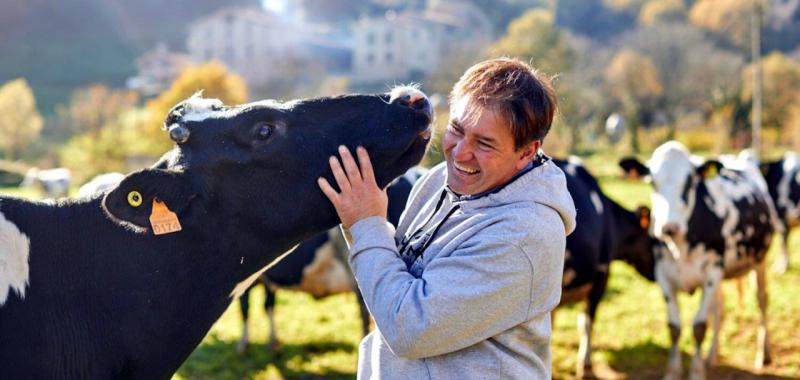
[(263, 131)]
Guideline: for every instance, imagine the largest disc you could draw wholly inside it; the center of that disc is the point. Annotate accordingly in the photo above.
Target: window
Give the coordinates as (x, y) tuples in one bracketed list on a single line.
[(388, 37), (370, 58), (370, 39), (389, 57)]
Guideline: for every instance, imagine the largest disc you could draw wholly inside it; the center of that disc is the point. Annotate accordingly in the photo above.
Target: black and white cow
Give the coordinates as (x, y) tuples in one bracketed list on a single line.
[(605, 231), (318, 266), (716, 224), (783, 181), (88, 290)]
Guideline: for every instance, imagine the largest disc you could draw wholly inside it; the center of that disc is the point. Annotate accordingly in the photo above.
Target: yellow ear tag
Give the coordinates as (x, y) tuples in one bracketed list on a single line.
[(134, 199), (163, 220), (710, 172)]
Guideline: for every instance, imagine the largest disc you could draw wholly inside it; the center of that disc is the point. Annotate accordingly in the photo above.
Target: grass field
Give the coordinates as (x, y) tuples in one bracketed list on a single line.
[(320, 338)]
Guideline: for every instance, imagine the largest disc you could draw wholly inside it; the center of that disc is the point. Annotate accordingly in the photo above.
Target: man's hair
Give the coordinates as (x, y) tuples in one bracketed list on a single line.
[(515, 91)]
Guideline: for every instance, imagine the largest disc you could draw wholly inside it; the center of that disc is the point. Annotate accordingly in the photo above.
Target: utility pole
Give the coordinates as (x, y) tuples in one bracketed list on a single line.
[(755, 49)]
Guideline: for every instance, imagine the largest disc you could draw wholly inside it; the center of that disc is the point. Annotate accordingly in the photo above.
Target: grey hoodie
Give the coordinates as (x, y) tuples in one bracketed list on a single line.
[(476, 303)]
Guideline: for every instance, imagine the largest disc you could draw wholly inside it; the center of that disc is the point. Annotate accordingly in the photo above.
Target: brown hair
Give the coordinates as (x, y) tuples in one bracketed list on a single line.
[(515, 91)]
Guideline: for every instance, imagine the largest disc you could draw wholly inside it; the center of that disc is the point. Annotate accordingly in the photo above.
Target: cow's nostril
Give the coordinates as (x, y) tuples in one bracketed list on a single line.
[(178, 133)]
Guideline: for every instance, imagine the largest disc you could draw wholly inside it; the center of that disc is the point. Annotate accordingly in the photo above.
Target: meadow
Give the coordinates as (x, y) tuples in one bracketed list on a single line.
[(319, 338)]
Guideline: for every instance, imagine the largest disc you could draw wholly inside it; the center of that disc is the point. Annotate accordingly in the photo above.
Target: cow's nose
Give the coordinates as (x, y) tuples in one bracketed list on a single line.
[(178, 133), (414, 99)]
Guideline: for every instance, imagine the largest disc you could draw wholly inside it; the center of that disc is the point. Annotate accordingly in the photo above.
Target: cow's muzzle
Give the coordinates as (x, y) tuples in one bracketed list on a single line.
[(178, 133)]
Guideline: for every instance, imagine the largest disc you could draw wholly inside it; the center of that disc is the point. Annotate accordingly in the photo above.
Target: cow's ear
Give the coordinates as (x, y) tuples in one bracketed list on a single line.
[(709, 169), (131, 201), (633, 168), (643, 214)]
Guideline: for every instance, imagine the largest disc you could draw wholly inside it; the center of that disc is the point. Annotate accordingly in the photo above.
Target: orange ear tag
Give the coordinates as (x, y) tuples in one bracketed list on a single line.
[(163, 220)]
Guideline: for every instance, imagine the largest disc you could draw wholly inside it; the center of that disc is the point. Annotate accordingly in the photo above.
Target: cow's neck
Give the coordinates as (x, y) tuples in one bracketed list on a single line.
[(154, 297)]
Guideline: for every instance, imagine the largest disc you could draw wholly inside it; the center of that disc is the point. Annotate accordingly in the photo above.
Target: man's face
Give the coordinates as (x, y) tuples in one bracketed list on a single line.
[(480, 153)]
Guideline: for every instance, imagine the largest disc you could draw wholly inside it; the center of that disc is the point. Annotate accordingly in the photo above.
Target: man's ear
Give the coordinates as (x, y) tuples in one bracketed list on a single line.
[(132, 200), (527, 152), (633, 168)]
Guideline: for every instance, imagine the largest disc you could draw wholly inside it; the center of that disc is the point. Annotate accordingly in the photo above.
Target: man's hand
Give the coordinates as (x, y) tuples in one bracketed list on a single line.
[(360, 197)]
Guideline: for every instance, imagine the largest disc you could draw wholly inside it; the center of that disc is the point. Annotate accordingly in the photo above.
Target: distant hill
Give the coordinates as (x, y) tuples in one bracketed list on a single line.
[(60, 45)]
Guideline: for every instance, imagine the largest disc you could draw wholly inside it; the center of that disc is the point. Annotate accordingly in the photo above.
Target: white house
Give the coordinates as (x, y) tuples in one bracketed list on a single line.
[(252, 42), (410, 44)]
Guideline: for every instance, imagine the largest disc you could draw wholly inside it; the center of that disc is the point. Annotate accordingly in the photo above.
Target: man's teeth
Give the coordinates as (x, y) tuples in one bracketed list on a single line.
[(466, 170)]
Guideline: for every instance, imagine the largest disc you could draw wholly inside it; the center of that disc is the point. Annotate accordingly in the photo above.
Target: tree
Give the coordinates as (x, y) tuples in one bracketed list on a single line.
[(211, 78), (534, 36), (660, 11), (781, 88), (93, 107), (20, 123), (632, 79), (593, 19), (695, 74), (728, 19)]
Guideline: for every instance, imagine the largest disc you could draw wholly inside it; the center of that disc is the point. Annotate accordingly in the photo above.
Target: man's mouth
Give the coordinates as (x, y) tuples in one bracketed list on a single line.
[(465, 170)]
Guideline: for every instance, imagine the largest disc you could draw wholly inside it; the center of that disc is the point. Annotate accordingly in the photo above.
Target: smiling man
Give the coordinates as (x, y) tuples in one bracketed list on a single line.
[(464, 288)]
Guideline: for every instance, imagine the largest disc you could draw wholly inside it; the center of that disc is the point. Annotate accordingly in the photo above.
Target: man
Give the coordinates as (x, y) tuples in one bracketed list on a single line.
[(464, 288)]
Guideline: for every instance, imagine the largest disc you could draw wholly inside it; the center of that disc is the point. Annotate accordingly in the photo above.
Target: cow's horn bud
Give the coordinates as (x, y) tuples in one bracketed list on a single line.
[(178, 133)]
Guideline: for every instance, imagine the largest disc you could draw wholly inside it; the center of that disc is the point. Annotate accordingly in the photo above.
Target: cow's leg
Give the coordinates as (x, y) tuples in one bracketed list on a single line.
[(674, 322), (717, 315), (700, 324), (244, 308), (585, 322), (781, 263), (269, 307), (763, 356)]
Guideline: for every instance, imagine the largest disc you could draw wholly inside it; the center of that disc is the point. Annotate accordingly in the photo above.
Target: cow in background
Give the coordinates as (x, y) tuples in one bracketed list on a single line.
[(783, 182), (716, 224), (53, 183), (100, 184), (318, 266), (605, 231)]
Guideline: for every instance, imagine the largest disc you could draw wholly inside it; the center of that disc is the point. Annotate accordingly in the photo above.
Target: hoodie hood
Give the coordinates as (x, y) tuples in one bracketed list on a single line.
[(545, 184)]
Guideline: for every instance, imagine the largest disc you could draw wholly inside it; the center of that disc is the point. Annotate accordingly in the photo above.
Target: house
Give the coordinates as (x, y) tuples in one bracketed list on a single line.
[(157, 69), (252, 42), (410, 44)]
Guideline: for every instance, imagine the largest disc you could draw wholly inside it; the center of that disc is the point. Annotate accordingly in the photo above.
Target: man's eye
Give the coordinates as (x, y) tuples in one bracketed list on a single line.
[(263, 131)]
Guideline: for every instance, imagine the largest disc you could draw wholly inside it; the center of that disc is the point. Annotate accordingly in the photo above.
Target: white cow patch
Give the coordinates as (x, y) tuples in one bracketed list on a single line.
[(14, 252), (670, 168)]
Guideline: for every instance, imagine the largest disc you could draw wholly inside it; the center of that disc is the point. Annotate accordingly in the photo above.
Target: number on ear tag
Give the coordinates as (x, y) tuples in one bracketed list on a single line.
[(163, 220)]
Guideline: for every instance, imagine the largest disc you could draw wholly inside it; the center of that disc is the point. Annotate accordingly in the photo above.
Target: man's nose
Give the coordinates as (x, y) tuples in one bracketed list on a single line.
[(462, 151)]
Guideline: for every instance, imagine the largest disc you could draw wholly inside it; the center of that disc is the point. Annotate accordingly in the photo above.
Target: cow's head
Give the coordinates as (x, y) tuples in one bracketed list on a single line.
[(637, 246), (259, 162), (674, 176)]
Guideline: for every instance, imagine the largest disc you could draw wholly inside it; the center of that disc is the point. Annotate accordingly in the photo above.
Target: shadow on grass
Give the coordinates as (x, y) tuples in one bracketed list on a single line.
[(648, 361), (218, 360)]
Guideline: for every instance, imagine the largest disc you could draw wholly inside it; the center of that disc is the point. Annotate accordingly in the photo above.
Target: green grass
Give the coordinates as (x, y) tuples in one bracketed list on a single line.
[(320, 338)]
